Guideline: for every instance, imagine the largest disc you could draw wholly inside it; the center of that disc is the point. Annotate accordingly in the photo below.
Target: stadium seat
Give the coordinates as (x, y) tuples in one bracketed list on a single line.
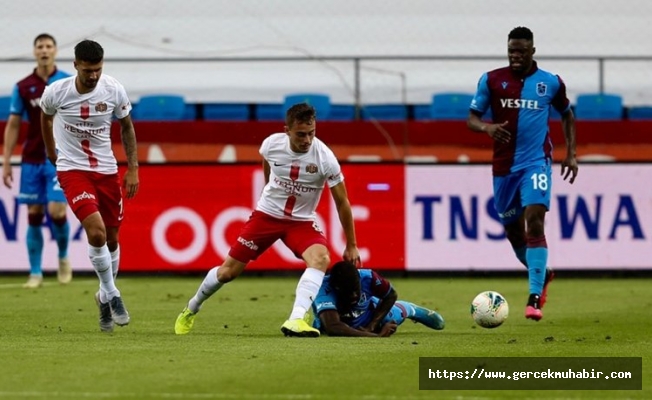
[(421, 112), (600, 106), (321, 103), (450, 106), (341, 112), (639, 112), (161, 107), (5, 101), (269, 112), (226, 112), (385, 112), (190, 112)]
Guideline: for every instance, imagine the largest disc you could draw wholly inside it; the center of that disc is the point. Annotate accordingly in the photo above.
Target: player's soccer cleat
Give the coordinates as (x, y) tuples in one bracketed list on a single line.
[(533, 309), (106, 320), (550, 275), (119, 313), (429, 318), (64, 273), (34, 282), (299, 328), (184, 321)]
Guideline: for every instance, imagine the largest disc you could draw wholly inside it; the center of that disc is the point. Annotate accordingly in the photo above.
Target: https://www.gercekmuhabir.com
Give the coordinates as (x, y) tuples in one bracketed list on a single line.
[(541, 373)]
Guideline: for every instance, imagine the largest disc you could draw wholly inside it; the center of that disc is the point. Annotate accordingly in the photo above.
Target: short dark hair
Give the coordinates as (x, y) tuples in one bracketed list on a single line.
[(344, 278), (521, 32), (301, 112), (44, 36), (89, 51)]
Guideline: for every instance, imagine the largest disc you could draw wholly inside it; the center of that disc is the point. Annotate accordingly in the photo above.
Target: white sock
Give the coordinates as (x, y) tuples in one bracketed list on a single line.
[(307, 289), (101, 260), (208, 287), (115, 262)]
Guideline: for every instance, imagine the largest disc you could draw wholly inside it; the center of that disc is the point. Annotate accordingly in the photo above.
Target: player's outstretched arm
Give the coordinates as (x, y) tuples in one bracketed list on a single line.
[(569, 166), (128, 135), (351, 252), (334, 326)]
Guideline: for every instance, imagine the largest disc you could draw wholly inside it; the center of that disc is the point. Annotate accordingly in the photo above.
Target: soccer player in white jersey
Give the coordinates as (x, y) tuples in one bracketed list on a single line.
[(76, 124), (296, 166)]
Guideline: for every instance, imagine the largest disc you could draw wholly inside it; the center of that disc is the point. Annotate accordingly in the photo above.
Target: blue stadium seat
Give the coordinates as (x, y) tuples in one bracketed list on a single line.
[(161, 107), (5, 101), (385, 112), (450, 106), (269, 112), (640, 112), (321, 103), (226, 112), (600, 106), (421, 112), (190, 112), (341, 112)]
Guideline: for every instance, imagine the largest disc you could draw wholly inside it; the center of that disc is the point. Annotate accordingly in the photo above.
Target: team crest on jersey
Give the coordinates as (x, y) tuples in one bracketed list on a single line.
[(542, 89), (311, 168), (101, 107)]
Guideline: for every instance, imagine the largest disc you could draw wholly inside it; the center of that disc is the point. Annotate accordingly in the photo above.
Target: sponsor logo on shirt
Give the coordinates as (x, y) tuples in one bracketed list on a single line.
[(294, 187), (520, 103)]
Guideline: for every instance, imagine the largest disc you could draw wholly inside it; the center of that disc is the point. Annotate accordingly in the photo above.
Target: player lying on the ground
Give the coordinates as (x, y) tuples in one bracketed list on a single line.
[(359, 302)]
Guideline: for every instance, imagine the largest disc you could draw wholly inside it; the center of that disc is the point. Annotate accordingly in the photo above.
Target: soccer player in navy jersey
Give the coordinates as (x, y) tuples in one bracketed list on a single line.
[(520, 96), (38, 180), (360, 302)]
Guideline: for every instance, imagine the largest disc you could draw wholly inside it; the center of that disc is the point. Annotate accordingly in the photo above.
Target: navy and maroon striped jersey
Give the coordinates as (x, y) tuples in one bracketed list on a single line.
[(25, 99), (525, 103)]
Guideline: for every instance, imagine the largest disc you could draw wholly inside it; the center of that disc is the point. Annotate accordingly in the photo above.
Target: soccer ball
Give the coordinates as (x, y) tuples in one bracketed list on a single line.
[(489, 309)]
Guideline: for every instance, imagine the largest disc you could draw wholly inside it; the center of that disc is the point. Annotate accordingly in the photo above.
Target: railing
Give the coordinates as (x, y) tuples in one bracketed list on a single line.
[(619, 76)]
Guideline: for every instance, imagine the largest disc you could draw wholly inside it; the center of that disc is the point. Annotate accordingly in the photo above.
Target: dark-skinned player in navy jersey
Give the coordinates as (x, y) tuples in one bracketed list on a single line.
[(360, 302), (39, 187), (520, 97)]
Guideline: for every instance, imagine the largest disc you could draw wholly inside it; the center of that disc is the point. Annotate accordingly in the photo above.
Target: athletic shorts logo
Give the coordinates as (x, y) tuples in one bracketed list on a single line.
[(83, 196), (247, 243)]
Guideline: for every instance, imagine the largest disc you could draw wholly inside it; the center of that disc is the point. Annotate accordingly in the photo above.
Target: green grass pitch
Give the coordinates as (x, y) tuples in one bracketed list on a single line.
[(51, 347)]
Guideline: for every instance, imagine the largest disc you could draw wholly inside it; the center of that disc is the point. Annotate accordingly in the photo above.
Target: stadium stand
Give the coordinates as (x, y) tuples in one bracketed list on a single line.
[(599, 106), (226, 112), (162, 107), (341, 112), (385, 112), (421, 112), (640, 113), (4, 107), (321, 102), (268, 112), (450, 106)]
